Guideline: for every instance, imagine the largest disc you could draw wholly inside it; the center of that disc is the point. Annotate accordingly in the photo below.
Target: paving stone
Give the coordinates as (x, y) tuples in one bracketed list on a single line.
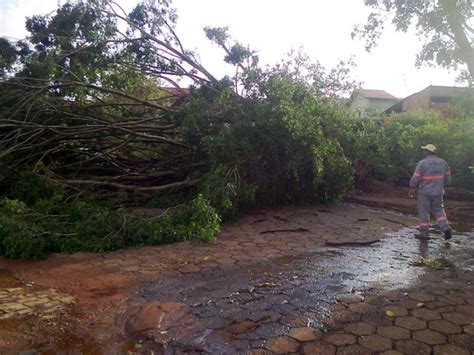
[(258, 352), (434, 305), (318, 347), (25, 312), (457, 318), (67, 299), (241, 327), (375, 342), (35, 302), (393, 295), (305, 334), (452, 300), (298, 321), (408, 303), (351, 298), (444, 309), (268, 330), (392, 332), (434, 279), (282, 345), (445, 327), (190, 269), (399, 311), (449, 350), (429, 336), (465, 341), (469, 329), (421, 296), (391, 352), (413, 347), (376, 300), (411, 323), (361, 307), (340, 339), (359, 328), (13, 307), (352, 350), (337, 307), (425, 314), (345, 316), (378, 319), (466, 309), (14, 289)]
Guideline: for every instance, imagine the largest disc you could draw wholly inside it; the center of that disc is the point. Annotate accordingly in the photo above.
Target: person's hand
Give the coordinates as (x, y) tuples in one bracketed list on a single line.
[(411, 193)]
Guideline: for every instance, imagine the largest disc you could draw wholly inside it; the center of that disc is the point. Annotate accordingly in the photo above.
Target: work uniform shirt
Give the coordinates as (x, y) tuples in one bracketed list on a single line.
[(431, 175)]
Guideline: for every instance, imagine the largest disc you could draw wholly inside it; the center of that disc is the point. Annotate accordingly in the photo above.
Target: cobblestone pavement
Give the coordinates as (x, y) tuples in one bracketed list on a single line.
[(326, 302), (19, 301), (437, 318), (269, 285)]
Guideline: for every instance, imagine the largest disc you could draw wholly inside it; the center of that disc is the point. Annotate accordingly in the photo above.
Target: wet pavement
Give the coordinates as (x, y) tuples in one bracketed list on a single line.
[(269, 285), (291, 303)]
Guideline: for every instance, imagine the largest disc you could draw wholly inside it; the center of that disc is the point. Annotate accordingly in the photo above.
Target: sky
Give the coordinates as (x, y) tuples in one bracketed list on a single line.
[(274, 27)]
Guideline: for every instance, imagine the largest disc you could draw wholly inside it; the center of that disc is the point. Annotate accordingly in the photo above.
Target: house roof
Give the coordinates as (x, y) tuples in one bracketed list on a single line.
[(449, 91), (376, 94)]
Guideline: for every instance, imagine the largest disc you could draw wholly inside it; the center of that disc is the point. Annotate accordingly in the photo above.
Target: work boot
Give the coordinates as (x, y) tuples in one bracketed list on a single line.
[(447, 234)]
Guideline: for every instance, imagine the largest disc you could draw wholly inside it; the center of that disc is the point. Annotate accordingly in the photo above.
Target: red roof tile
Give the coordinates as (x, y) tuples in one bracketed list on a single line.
[(376, 94)]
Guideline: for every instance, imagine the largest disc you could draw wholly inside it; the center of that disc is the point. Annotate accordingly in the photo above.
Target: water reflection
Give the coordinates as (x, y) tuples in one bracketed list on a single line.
[(423, 248)]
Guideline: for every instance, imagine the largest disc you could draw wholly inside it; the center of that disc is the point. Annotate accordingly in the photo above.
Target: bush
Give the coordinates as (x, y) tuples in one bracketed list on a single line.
[(19, 238), (197, 220), (53, 224), (388, 148)]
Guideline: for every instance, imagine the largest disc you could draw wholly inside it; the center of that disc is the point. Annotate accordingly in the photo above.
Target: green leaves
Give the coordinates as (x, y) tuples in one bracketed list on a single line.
[(388, 148), (49, 222)]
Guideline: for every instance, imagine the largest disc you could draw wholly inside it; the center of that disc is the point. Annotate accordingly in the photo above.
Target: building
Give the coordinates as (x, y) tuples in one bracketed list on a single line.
[(431, 98), (366, 101), (176, 96)]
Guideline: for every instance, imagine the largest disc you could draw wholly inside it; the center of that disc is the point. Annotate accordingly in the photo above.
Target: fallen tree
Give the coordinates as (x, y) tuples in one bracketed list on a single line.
[(85, 99)]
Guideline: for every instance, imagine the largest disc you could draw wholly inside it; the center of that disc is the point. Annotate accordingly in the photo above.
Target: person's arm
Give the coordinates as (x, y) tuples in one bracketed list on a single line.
[(415, 180)]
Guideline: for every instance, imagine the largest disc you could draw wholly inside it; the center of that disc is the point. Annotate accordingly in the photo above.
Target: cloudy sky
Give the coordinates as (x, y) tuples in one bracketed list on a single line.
[(273, 27)]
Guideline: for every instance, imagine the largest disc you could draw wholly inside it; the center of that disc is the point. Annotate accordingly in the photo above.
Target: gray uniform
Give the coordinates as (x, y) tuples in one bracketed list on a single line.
[(430, 177)]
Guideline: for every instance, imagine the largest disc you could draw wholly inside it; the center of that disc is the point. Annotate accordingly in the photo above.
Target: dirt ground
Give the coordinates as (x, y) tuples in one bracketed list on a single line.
[(270, 284)]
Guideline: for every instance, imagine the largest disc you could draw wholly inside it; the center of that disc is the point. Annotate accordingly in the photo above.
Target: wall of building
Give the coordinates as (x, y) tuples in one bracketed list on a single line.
[(365, 105), (419, 101), (381, 104)]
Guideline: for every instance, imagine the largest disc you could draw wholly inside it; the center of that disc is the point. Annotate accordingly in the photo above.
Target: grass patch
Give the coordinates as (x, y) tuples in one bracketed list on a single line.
[(437, 263)]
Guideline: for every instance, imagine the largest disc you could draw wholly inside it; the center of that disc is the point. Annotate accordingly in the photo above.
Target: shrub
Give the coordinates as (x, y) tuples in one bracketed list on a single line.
[(388, 148), (70, 225)]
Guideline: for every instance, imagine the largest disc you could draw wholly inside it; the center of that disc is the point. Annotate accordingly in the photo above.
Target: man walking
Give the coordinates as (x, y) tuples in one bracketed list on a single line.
[(431, 175)]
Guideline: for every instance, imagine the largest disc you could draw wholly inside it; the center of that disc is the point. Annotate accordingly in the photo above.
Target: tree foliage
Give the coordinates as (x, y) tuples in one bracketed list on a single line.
[(40, 217), (89, 122), (446, 25)]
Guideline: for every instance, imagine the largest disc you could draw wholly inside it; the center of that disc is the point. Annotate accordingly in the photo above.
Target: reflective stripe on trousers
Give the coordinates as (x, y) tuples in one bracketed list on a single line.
[(433, 204)]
